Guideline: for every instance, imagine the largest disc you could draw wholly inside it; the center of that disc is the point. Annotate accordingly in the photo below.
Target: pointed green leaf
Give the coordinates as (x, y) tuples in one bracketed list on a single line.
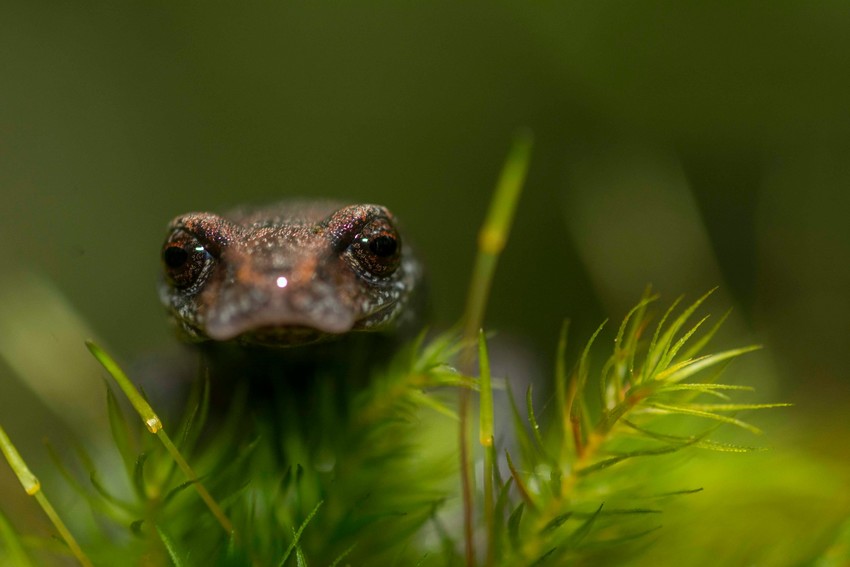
[(635, 314), (605, 463), (92, 499), (619, 512), (696, 347), (698, 441), (513, 526), (674, 439), (499, 515), (195, 416), (523, 439), (726, 447), (702, 387), (694, 390), (653, 354), (178, 489), (108, 496), (342, 555), (168, 542), (561, 380), (680, 492), (688, 368), (139, 477), (684, 410), (235, 494), (614, 541), (137, 400), (556, 522), (535, 428), (584, 367), (12, 545), (494, 233), (625, 345), (671, 354), (424, 400), (665, 341), (297, 534), (543, 558), (485, 410), (32, 487), (122, 434), (583, 530), (735, 407), (520, 485), (556, 478)]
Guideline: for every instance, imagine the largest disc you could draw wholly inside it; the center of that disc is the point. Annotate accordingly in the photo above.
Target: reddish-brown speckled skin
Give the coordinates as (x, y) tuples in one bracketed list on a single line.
[(292, 273)]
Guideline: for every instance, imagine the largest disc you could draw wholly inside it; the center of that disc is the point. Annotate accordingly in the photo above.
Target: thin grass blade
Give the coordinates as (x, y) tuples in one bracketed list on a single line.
[(175, 556), (561, 381), (32, 487), (122, 435), (12, 545), (583, 530), (520, 484), (514, 521), (535, 427), (626, 344), (296, 536), (343, 555)]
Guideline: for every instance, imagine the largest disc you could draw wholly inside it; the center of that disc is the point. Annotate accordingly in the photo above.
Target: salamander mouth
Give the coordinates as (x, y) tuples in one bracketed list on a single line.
[(283, 336), (288, 335)]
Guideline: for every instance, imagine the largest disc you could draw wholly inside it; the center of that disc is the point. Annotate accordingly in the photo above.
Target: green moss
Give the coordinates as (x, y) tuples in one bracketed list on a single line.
[(375, 476)]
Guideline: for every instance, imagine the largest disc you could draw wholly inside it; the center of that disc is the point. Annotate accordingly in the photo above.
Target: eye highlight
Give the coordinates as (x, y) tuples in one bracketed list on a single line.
[(377, 248), (184, 259)]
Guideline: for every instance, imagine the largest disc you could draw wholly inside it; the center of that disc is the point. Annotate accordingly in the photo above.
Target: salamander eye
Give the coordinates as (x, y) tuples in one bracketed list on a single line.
[(384, 246), (377, 248), (185, 260)]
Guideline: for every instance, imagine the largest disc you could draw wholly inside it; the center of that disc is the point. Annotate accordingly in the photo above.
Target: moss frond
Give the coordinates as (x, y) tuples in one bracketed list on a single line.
[(368, 483), (647, 390), (385, 475)]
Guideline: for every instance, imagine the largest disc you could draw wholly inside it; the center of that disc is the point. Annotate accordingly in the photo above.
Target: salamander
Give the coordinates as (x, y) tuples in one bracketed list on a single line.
[(289, 274)]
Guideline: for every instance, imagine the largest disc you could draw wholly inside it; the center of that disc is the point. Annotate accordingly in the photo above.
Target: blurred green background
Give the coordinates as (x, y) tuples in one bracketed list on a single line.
[(685, 145)]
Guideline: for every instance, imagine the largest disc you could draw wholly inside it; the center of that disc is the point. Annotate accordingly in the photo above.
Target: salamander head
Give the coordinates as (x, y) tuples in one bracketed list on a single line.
[(285, 275)]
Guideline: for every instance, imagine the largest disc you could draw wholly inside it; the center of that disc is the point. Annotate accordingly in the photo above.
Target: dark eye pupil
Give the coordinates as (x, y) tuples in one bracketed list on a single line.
[(383, 246), (175, 257)]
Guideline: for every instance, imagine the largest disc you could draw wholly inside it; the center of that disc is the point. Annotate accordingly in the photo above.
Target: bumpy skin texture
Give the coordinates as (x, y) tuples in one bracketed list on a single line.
[(293, 273)]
